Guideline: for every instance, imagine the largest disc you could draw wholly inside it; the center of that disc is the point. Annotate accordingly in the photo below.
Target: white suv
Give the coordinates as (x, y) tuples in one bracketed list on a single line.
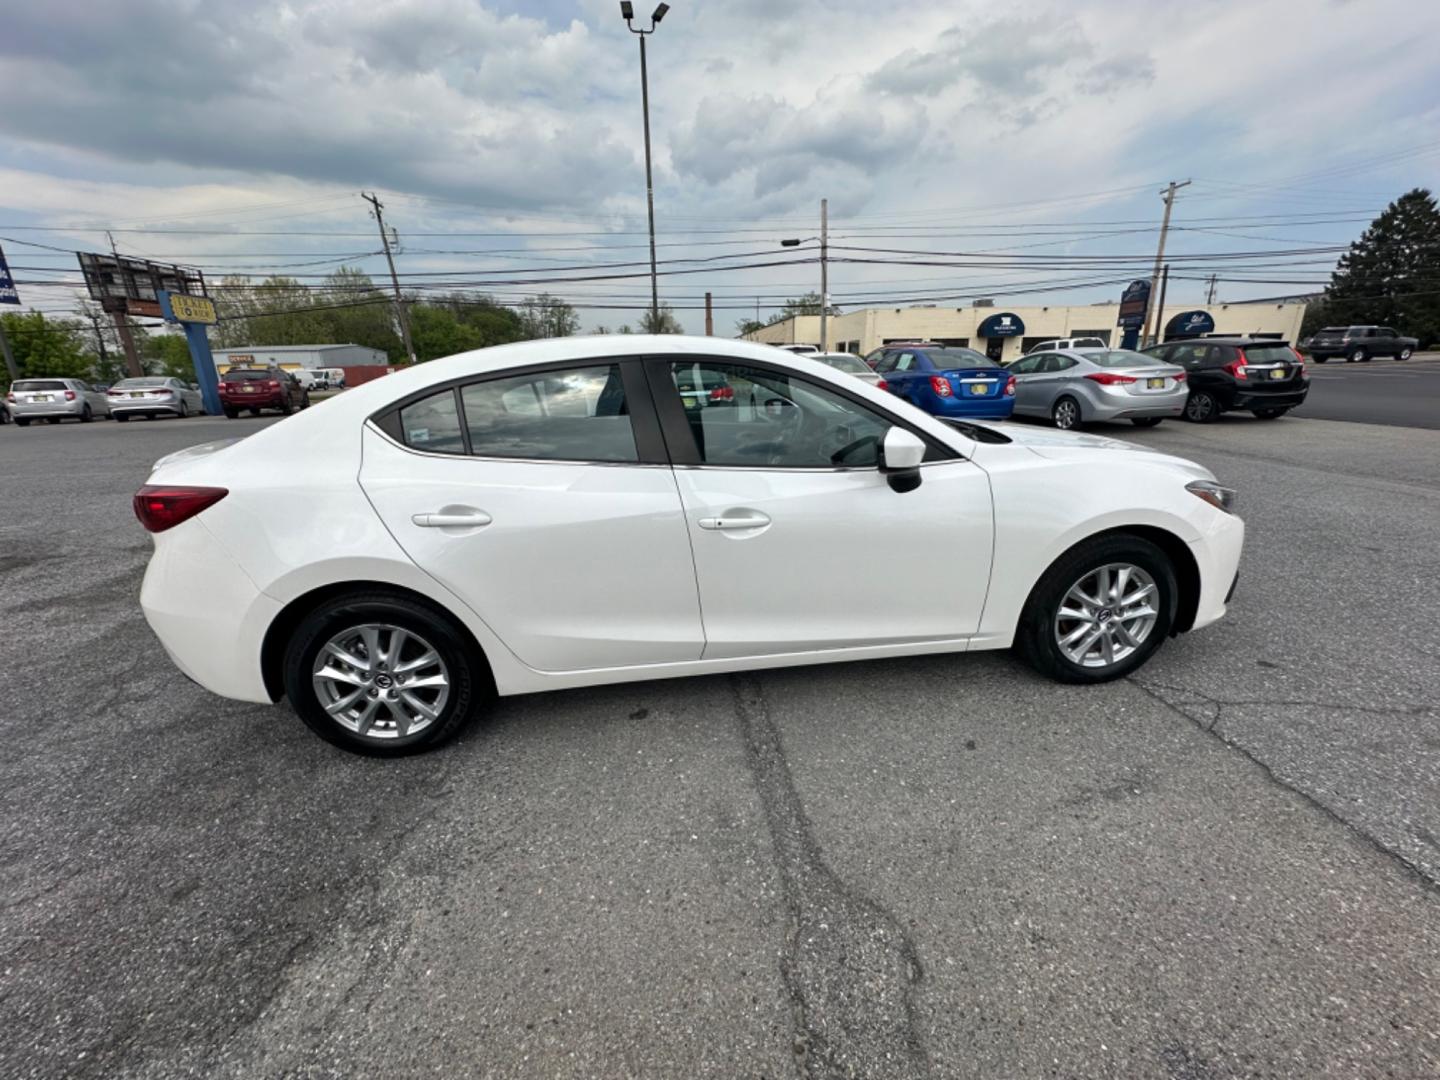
[(1069, 343)]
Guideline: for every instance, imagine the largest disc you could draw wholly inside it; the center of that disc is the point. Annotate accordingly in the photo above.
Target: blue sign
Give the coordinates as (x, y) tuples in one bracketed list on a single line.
[(194, 313), (1190, 324), (1134, 302), (1005, 324), (8, 295)]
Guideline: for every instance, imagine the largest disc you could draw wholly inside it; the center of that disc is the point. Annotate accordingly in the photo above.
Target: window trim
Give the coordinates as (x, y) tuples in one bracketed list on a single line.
[(680, 441), (644, 424)]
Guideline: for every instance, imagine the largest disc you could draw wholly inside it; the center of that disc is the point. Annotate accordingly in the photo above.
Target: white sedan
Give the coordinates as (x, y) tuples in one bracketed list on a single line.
[(559, 513)]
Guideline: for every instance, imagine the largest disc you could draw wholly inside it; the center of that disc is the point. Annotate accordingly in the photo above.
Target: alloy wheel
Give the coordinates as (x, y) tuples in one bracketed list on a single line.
[(1107, 615), (381, 681), (1066, 414), (1199, 407)]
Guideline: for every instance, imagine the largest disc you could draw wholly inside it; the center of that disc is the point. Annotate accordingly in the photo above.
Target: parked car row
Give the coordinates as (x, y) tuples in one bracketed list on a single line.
[(241, 390)]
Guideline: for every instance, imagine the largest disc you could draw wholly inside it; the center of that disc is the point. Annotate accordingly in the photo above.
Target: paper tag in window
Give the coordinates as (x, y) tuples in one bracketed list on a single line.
[(420, 434)]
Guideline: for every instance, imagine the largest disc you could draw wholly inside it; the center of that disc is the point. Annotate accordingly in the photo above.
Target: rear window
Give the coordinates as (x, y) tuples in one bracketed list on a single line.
[(948, 359), (1269, 354), (845, 363), (39, 384), (1119, 358), (124, 384), (246, 375)]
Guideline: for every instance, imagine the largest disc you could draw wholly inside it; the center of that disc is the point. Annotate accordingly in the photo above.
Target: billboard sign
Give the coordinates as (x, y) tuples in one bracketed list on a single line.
[(1134, 302), (8, 293), (133, 286)]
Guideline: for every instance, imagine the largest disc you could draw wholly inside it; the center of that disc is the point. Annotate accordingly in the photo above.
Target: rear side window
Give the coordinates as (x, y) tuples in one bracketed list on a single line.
[(433, 424), (576, 415)]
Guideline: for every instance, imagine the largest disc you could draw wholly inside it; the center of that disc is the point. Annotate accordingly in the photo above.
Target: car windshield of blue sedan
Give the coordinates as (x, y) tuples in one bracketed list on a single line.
[(1119, 358), (948, 359)]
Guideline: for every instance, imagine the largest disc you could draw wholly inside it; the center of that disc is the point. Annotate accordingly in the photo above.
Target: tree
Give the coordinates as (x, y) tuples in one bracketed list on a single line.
[(169, 355), (807, 304), (547, 316), (437, 332), (1388, 276), (747, 326), (47, 347), (661, 322)]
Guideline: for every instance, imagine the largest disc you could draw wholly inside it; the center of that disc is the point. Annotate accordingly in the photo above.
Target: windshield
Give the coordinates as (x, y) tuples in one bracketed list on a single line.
[(948, 359), (152, 381), (1119, 358), (39, 384), (246, 374), (853, 365)]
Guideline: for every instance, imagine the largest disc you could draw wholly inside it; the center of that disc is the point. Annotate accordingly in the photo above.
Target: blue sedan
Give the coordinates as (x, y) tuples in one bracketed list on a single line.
[(947, 380)]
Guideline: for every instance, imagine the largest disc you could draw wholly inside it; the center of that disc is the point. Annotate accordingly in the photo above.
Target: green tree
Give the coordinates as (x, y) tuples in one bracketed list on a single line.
[(747, 326), (806, 304), (1388, 276), (47, 347), (547, 316), (495, 323), (169, 355), (437, 332), (661, 322)]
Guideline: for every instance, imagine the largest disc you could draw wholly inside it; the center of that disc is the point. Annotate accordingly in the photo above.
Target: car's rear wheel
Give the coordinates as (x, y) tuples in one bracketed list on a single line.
[(232, 414), (86, 416), (1065, 413), (1359, 356), (1201, 407), (184, 410), (1270, 414), (1146, 421), (1100, 611), (381, 674)]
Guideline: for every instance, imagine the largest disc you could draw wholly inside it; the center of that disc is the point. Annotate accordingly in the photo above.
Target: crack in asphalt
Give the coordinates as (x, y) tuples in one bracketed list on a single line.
[(1215, 707), (848, 966)]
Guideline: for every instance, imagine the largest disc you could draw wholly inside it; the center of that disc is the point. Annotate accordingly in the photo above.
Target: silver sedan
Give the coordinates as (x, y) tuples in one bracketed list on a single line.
[(1070, 387), (851, 365), (153, 395)]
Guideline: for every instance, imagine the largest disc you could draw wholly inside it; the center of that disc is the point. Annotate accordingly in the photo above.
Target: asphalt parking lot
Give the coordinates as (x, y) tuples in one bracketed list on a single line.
[(1381, 391), (1224, 866)]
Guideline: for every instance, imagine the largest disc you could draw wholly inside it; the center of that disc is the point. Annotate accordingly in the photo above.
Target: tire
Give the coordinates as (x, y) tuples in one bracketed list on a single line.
[(254, 412), (285, 407), (1270, 414), (1065, 413), (87, 416), (1041, 625), (305, 401), (1146, 421), (1403, 354), (1201, 407), (184, 410), (1359, 356), (232, 414), (458, 661)]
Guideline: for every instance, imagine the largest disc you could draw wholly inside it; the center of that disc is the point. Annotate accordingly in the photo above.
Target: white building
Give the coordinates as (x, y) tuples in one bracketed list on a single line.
[(1003, 332), (299, 357)]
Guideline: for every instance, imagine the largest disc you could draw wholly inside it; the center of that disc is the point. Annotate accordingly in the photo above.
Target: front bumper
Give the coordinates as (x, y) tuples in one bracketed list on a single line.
[(1217, 555), (207, 613)]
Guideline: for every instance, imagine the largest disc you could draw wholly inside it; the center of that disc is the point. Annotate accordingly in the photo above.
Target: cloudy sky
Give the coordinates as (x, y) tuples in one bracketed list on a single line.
[(505, 140)]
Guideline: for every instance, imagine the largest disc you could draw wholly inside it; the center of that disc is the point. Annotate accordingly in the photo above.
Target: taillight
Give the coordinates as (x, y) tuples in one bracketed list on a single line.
[(1237, 367), (1304, 371), (10, 398), (273, 385), (1109, 378), (1180, 376), (880, 384), (1010, 386), (69, 395), (160, 506), (722, 393), (940, 385), (112, 393)]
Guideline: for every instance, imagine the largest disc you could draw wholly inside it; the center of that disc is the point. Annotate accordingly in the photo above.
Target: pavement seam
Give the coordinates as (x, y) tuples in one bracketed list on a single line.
[(849, 966), (1422, 878)]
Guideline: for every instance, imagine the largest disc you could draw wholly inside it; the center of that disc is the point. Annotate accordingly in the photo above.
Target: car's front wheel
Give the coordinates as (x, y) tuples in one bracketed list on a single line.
[(1359, 356), (381, 674), (1403, 354), (1065, 413), (1100, 611)]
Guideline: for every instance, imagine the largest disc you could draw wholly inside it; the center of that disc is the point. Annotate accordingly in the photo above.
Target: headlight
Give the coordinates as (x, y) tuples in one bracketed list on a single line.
[(1222, 498)]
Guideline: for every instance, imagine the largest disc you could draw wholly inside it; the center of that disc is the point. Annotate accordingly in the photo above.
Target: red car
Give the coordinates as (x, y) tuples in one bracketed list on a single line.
[(261, 388)]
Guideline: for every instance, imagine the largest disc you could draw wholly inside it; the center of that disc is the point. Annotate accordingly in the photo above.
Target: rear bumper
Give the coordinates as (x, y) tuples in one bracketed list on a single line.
[(207, 613), (1286, 399), (251, 401), (27, 410), (1120, 404), (969, 408), (153, 408)]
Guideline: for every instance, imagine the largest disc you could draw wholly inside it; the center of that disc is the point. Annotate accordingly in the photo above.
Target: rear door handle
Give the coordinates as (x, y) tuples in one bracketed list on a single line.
[(735, 521), (469, 519)]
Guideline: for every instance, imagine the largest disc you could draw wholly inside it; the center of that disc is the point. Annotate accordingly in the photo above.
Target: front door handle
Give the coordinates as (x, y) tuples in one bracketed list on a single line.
[(752, 520), (467, 519)]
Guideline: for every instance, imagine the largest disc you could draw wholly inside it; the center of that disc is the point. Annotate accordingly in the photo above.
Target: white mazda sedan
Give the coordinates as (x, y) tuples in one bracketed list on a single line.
[(577, 511)]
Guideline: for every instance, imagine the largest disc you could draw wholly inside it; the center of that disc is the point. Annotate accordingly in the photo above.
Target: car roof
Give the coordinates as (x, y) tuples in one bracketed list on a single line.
[(1224, 339)]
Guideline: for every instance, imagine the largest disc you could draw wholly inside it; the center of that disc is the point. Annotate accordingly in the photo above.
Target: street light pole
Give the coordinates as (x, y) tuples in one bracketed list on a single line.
[(627, 10)]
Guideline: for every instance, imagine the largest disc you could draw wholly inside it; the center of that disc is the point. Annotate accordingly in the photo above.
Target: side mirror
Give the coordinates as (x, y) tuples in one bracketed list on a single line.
[(900, 456)]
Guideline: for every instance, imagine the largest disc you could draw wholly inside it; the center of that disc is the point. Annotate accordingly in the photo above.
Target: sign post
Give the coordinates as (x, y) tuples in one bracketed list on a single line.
[(8, 295), (194, 314), (1134, 303)]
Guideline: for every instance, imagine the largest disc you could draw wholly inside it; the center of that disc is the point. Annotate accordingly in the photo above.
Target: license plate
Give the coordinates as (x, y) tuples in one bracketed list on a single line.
[(1155, 384), (137, 395), (41, 397), (979, 389), (1278, 373), (247, 389)]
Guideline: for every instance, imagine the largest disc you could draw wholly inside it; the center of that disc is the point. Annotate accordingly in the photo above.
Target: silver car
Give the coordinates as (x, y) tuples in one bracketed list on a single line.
[(153, 395), (54, 400), (1070, 387), (851, 365)]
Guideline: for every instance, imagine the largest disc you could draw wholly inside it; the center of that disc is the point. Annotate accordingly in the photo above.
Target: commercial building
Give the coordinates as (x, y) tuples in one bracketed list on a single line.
[(1004, 332), (300, 357)]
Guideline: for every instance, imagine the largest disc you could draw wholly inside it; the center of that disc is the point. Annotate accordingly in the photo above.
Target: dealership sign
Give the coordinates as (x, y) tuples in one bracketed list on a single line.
[(8, 295), (1134, 302), (1006, 324), (1190, 324)]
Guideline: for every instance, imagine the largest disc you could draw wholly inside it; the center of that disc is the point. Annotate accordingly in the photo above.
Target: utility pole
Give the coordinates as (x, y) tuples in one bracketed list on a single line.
[(404, 316), (824, 275), (1169, 196), (122, 327), (1160, 309), (709, 317), (100, 339), (1210, 293)]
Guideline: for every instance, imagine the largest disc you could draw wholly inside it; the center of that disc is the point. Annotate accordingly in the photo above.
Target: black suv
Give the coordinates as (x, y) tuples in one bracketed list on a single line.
[(1266, 377), (1359, 343)]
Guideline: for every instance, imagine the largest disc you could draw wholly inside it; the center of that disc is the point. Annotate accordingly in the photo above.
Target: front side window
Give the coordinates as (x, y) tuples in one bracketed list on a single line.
[(746, 416), (574, 415)]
